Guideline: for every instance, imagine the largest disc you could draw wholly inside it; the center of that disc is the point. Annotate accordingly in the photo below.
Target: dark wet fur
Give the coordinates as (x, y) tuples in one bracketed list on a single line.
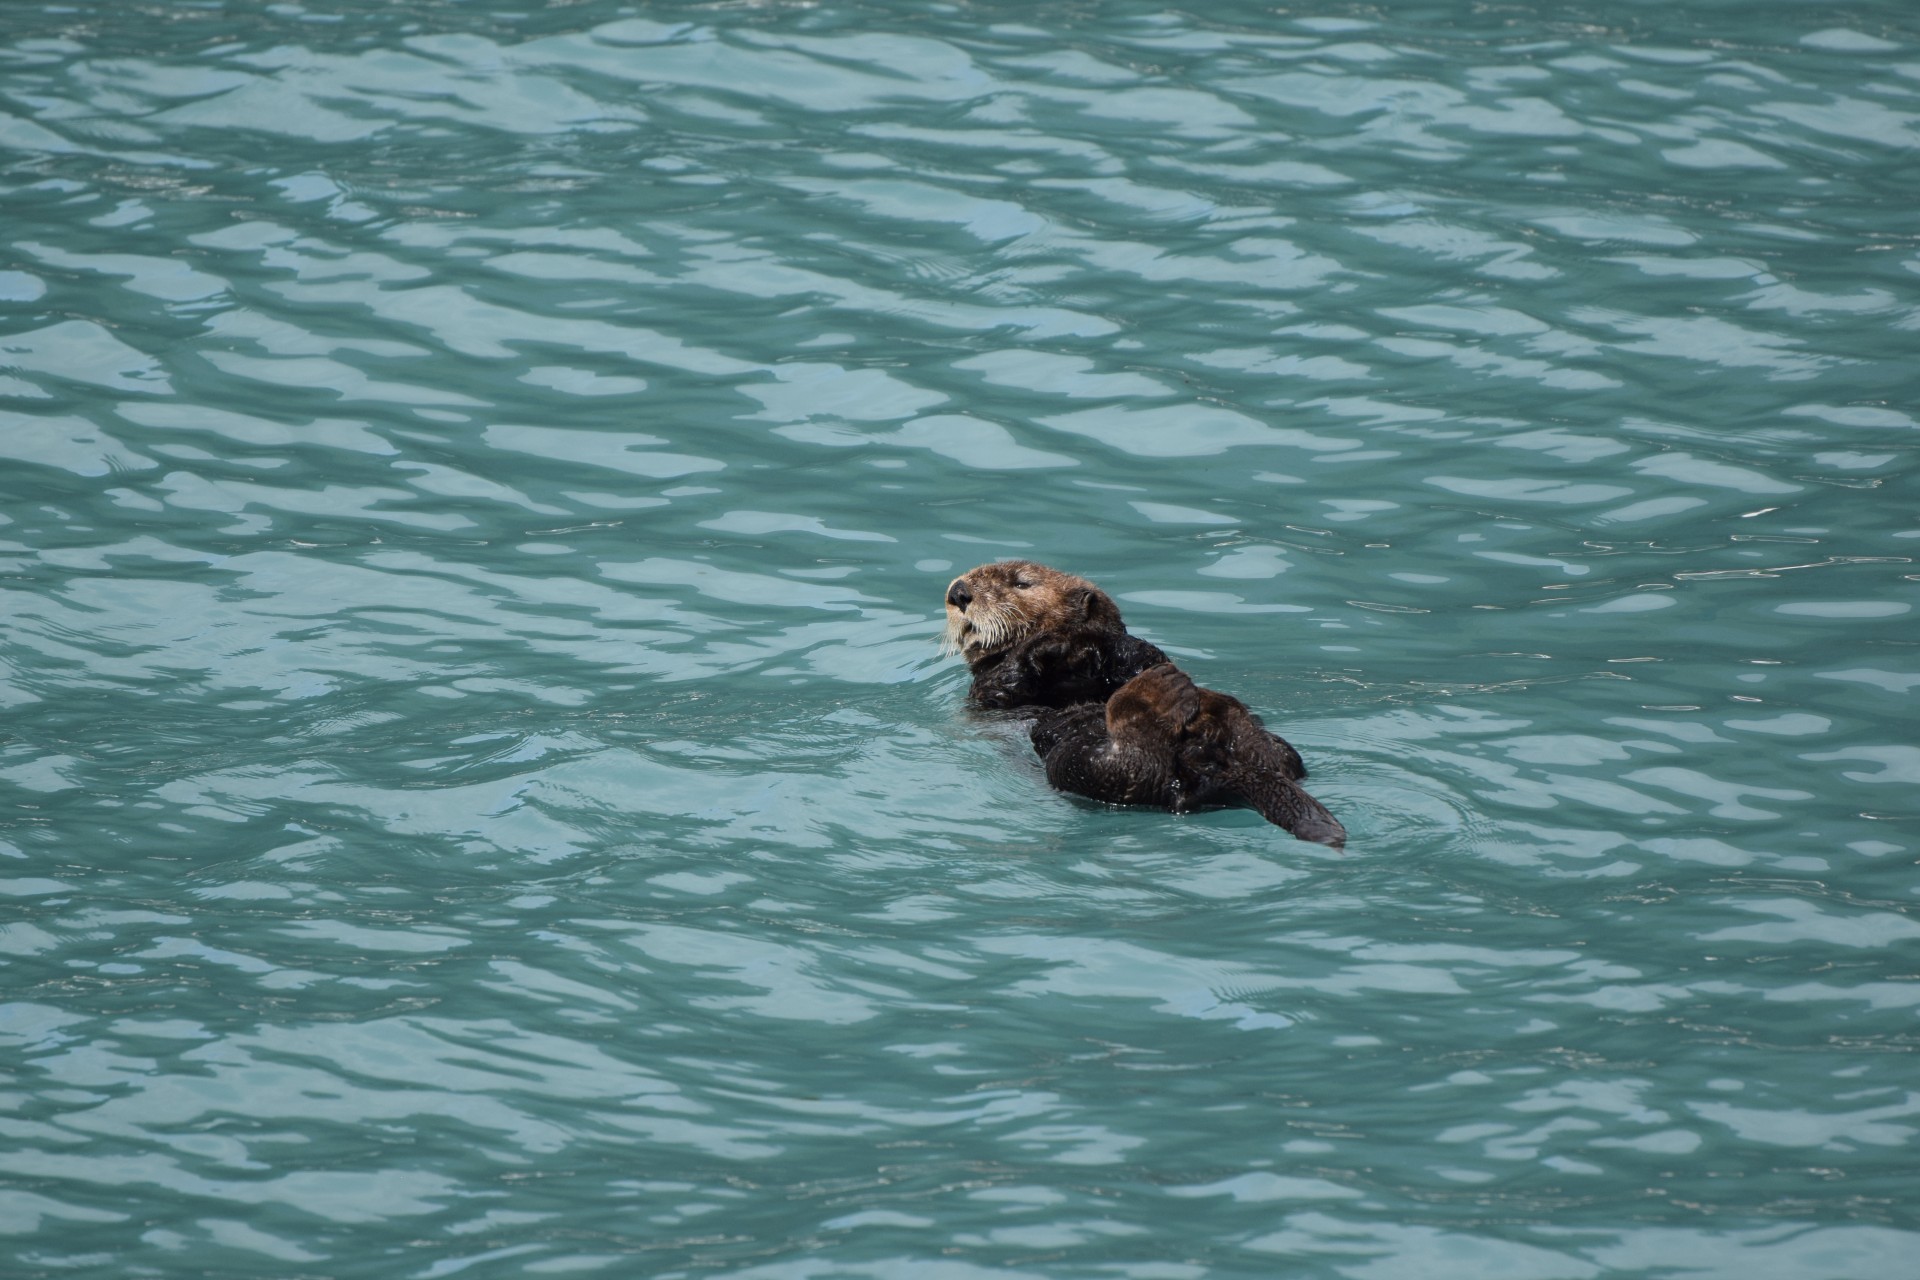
[(1062, 667), (1162, 740)]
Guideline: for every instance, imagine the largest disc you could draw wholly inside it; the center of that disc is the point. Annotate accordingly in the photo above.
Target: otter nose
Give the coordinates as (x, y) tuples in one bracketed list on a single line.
[(958, 596)]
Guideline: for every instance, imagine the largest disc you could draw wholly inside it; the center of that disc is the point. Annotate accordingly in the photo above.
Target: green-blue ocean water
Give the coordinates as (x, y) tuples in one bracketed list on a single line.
[(480, 793)]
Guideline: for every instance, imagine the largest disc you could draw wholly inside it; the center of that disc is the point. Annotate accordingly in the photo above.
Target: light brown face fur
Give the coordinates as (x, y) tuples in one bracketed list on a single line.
[(994, 606)]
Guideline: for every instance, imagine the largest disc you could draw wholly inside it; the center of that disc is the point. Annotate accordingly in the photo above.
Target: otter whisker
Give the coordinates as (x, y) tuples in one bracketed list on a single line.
[(956, 627), (990, 629), (1002, 626)]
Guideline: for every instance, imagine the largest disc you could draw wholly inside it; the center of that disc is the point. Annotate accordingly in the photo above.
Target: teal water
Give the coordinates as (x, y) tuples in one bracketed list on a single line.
[(480, 795)]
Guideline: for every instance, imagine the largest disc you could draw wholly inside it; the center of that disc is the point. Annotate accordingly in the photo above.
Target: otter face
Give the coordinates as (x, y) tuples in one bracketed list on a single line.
[(994, 606)]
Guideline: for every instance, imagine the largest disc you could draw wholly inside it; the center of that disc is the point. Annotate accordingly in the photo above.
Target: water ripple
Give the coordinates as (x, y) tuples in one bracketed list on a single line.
[(481, 789)]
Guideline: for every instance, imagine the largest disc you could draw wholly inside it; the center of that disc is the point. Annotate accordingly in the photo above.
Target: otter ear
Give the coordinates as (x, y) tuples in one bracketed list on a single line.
[(1097, 607)]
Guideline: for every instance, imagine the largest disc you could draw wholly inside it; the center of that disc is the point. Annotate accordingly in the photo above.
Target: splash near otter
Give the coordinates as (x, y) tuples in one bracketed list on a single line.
[(1119, 722)]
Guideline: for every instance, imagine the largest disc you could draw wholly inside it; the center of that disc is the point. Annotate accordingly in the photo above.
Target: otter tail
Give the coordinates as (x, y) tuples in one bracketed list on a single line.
[(1285, 805)]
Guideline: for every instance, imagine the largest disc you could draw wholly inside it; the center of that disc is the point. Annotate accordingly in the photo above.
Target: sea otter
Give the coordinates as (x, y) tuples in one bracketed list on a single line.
[(1037, 637), (1163, 740)]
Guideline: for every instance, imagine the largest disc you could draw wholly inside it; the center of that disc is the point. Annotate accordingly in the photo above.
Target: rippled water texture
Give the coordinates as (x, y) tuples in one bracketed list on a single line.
[(480, 794)]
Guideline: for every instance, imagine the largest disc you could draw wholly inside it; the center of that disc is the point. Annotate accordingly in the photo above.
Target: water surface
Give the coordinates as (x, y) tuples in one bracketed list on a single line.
[(479, 793)]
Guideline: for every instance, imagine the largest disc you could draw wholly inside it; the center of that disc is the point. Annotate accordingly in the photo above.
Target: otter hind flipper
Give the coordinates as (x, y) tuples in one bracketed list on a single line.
[(1289, 759), (1285, 805), (1254, 741), (1229, 757)]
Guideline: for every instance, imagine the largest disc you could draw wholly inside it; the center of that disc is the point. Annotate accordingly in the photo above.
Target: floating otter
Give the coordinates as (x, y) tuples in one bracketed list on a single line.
[(1163, 740), (1037, 637)]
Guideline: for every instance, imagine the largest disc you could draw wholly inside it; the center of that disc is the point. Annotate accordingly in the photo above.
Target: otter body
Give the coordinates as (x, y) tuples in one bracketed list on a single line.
[(1162, 740), (1036, 637), (1117, 721)]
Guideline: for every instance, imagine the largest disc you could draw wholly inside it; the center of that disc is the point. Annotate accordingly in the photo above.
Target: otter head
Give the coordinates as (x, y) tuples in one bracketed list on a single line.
[(993, 607)]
